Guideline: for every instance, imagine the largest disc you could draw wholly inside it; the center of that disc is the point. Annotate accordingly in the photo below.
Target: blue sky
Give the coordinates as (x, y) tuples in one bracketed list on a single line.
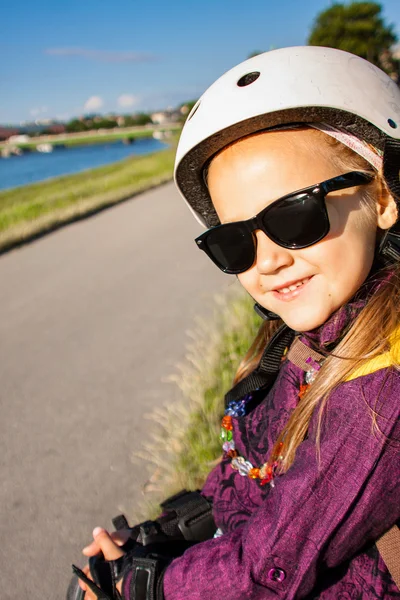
[(65, 58)]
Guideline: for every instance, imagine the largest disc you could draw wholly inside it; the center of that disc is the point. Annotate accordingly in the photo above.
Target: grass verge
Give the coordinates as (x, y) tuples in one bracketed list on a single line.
[(30, 211), (185, 442)]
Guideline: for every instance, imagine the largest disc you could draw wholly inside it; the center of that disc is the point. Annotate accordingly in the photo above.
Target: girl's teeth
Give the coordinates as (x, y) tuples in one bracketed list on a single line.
[(293, 287)]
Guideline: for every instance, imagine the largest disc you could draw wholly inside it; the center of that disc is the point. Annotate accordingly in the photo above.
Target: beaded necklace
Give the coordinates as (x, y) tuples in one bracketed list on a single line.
[(308, 360)]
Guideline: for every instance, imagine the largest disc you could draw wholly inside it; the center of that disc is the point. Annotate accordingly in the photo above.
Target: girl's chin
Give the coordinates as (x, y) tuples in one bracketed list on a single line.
[(304, 320)]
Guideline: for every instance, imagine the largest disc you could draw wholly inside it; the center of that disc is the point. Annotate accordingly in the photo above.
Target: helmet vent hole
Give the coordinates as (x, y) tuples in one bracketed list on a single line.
[(392, 124), (248, 78), (194, 110)]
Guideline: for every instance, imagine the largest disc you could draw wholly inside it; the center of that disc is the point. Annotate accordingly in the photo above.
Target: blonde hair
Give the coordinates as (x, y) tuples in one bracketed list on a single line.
[(366, 337)]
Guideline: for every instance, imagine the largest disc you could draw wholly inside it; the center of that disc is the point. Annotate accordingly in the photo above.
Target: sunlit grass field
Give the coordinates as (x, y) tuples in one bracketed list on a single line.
[(185, 442), (31, 210)]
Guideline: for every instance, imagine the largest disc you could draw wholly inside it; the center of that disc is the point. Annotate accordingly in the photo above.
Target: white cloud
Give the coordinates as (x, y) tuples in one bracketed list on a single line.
[(34, 112), (127, 100), (93, 103)]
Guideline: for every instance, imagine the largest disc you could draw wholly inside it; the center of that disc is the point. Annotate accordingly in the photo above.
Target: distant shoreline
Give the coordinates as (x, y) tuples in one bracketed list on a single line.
[(91, 137)]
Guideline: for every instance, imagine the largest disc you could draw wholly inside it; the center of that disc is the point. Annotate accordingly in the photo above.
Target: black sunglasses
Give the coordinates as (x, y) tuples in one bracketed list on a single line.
[(296, 221)]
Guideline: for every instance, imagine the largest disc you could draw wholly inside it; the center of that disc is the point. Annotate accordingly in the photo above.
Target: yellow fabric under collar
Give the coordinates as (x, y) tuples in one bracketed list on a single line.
[(387, 359)]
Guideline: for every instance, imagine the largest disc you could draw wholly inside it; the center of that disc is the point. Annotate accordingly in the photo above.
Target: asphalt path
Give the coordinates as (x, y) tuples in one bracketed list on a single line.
[(93, 319)]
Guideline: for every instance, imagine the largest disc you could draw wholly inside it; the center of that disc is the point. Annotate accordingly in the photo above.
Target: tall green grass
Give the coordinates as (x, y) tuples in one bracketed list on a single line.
[(185, 442), (33, 209)]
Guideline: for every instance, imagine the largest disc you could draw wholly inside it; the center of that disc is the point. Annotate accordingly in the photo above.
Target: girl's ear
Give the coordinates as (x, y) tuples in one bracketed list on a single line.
[(387, 212)]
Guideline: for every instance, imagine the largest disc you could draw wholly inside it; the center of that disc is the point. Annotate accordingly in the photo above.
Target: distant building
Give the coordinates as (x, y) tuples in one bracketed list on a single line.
[(56, 128), (159, 118), (19, 139), (7, 132), (165, 116)]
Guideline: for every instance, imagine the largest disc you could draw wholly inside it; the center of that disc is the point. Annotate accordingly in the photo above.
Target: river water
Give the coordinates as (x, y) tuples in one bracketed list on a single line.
[(36, 166)]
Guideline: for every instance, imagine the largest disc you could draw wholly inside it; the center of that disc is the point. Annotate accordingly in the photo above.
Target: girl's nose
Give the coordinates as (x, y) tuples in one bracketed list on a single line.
[(271, 258)]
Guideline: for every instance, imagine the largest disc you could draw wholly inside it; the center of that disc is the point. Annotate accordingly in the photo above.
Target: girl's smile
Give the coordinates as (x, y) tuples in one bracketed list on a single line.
[(291, 290)]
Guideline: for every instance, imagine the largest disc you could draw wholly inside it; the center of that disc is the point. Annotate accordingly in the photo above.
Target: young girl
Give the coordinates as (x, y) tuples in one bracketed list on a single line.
[(292, 161)]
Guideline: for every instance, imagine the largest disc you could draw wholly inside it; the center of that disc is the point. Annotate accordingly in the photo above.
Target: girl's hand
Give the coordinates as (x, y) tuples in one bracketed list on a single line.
[(120, 538), (109, 545)]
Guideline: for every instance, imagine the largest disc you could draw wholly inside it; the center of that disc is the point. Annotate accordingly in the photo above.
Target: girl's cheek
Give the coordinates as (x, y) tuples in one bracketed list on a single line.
[(337, 220), (249, 281)]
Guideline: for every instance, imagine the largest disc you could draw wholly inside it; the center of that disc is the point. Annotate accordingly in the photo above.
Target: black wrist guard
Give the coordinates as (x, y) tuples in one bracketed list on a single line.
[(187, 515), (143, 569), (186, 519), (143, 578)]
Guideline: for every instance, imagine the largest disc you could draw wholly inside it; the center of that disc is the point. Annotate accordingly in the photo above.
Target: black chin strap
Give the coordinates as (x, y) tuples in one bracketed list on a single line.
[(268, 367), (264, 313), (390, 245), (391, 166)]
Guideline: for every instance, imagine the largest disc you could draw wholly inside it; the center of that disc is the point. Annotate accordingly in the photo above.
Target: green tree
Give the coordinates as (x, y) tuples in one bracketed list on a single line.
[(76, 126), (255, 53), (104, 123), (357, 27), (137, 119)]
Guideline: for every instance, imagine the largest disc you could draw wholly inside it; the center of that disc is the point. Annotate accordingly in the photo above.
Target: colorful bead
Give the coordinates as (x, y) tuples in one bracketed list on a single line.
[(227, 446), (225, 435), (237, 408), (218, 533), (265, 473), (266, 480), (303, 390), (310, 376), (254, 473), (241, 465), (227, 422), (232, 453)]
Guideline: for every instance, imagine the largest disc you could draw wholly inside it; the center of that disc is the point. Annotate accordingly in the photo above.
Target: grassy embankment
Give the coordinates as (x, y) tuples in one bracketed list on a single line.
[(185, 441), (31, 210)]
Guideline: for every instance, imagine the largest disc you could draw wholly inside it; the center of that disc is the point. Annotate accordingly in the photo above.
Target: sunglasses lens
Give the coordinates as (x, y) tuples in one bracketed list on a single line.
[(297, 222), (231, 247)]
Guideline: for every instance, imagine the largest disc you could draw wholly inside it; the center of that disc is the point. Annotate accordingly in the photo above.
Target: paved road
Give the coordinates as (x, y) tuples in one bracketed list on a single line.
[(93, 319)]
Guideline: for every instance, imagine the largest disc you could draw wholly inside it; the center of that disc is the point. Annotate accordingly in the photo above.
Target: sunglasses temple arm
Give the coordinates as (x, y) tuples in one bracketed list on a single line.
[(345, 181)]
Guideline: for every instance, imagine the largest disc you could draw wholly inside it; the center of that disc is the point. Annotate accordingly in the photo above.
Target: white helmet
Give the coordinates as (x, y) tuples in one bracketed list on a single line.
[(305, 84)]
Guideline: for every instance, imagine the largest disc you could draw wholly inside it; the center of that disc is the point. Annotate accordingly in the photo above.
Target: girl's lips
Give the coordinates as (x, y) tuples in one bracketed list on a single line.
[(291, 291)]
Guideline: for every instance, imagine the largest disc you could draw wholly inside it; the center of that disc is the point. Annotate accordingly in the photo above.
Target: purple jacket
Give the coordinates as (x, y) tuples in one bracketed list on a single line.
[(312, 535)]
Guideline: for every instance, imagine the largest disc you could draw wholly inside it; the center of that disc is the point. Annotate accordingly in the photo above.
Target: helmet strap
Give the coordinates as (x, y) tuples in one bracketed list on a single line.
[(390, 243), (390, 246), (265, 314), (391, 166)]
